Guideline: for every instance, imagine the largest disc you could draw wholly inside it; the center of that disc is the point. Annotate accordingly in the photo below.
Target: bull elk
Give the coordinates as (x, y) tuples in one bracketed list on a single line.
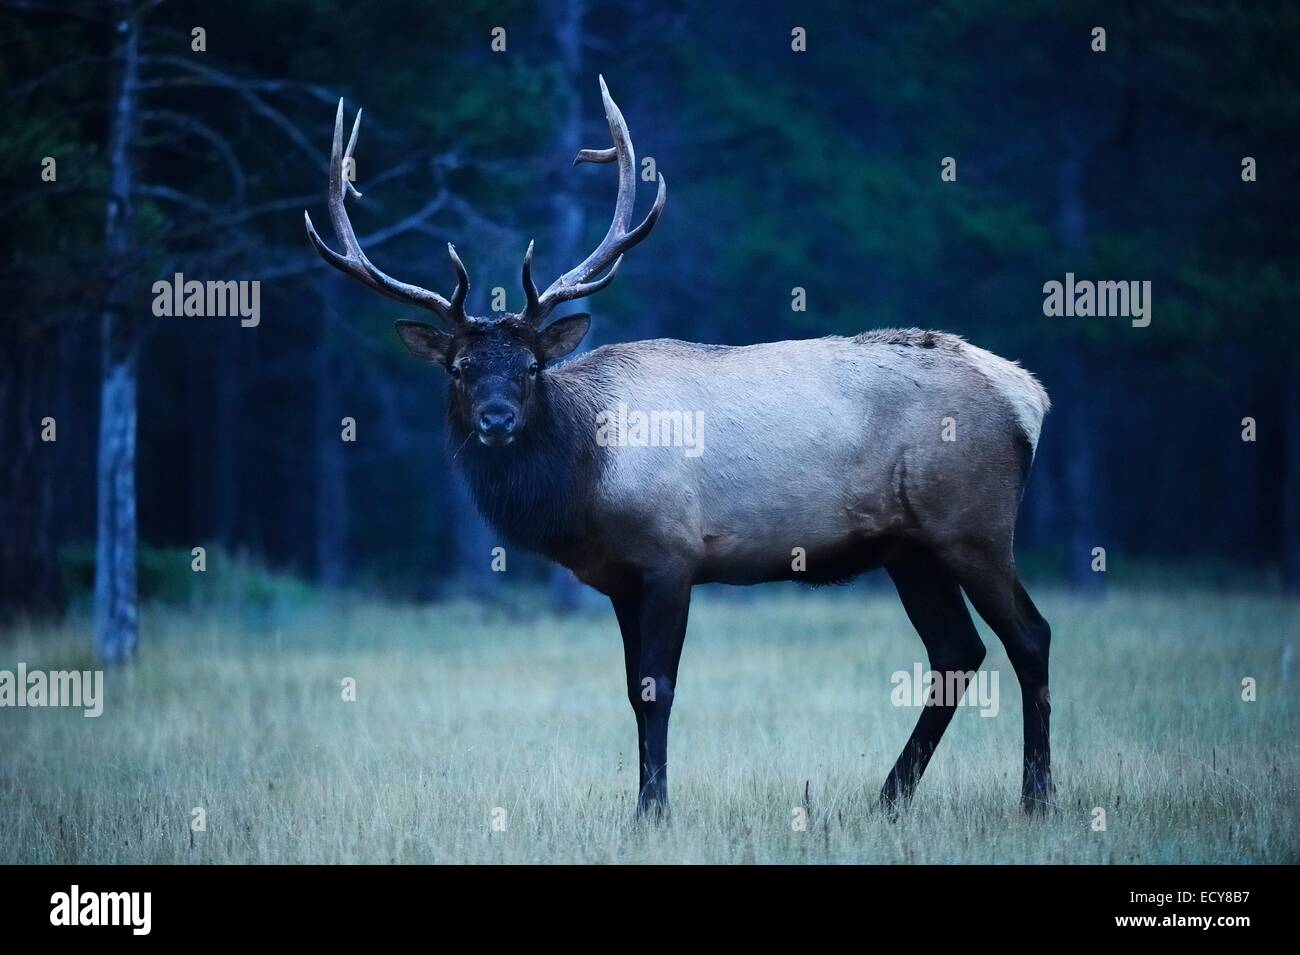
[(834, 445)]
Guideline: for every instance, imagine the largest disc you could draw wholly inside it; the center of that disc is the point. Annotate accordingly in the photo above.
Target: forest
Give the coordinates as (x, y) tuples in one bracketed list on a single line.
[(250, 613), (900, 165)]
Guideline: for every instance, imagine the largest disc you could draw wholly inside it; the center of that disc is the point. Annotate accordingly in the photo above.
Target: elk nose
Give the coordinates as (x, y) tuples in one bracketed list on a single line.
[(496, 422)]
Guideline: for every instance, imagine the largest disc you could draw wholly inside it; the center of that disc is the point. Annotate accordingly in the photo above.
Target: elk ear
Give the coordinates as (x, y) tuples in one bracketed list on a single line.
[(423, 340), (563, 335)]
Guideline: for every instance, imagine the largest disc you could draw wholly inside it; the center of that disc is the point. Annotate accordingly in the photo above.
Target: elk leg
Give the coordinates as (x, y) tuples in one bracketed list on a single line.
[(627, 607), (664, 602), (997, 594), (932, 599)]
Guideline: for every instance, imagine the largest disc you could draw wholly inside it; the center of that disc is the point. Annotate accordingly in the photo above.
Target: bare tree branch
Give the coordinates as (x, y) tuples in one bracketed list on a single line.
[(173, 195), (246, 91), (210, 136)]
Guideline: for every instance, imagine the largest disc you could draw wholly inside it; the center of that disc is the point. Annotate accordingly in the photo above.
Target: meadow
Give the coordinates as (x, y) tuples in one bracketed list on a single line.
[(467, 713)]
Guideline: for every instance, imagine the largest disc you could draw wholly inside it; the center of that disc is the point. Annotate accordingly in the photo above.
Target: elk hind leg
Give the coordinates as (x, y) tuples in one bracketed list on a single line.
[(932, 598), (990, 580)]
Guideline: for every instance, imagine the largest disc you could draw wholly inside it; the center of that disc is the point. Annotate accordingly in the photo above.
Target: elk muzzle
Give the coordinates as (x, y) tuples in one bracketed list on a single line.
[(496, 425)]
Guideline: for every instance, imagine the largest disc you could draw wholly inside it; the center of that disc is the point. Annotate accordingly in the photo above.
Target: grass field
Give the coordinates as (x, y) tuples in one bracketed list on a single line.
[(464, 709)]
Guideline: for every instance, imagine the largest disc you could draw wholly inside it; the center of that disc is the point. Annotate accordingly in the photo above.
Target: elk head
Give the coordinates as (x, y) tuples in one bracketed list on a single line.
[(497, 363)]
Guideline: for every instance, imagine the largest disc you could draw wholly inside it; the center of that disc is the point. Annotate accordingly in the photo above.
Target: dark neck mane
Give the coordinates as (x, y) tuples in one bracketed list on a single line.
[(536, 491)]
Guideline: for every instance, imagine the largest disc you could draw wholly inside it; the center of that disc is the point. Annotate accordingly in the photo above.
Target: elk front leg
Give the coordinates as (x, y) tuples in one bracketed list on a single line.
[(653, 621), (627, 607)]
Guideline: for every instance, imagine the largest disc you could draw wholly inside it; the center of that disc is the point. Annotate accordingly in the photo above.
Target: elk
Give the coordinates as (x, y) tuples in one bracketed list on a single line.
[(897, 448)]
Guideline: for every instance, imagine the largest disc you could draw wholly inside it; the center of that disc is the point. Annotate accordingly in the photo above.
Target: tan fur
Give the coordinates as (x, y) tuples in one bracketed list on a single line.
[(809, 444)]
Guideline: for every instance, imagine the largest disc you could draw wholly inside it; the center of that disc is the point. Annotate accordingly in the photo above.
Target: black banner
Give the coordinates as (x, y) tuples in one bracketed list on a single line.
[(332, 904)]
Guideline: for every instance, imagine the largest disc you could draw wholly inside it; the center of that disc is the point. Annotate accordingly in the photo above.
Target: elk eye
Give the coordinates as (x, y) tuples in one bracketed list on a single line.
[(534, 368), (454, 371)]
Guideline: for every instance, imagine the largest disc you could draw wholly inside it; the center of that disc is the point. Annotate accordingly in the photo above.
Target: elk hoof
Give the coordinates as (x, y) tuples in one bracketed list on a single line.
[(1038, 796), (893, 800), (652, 807)]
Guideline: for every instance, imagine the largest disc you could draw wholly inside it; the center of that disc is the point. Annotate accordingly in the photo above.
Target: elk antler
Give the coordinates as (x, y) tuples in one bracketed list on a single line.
[(354, 262), (581, 280)]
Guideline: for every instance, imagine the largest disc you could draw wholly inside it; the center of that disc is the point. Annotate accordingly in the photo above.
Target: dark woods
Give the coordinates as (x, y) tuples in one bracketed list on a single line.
[(817, 170)]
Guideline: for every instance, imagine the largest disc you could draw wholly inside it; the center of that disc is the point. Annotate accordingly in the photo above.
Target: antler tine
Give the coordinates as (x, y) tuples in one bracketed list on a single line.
[(596, 155), (353, 261), (352, 145), (530, 290), (580, 281), (625, 154), (462, 283)]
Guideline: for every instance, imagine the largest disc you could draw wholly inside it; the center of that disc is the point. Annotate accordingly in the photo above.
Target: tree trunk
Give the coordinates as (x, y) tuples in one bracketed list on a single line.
[(568, 16), (116, 617), (225, 462), (29, 572), (1291, 478), (331, 461), (1077, 444), (473, 542), (1085, 526)]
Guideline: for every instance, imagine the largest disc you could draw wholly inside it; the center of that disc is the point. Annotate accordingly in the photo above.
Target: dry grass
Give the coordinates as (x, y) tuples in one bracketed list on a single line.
[(463, 709)]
